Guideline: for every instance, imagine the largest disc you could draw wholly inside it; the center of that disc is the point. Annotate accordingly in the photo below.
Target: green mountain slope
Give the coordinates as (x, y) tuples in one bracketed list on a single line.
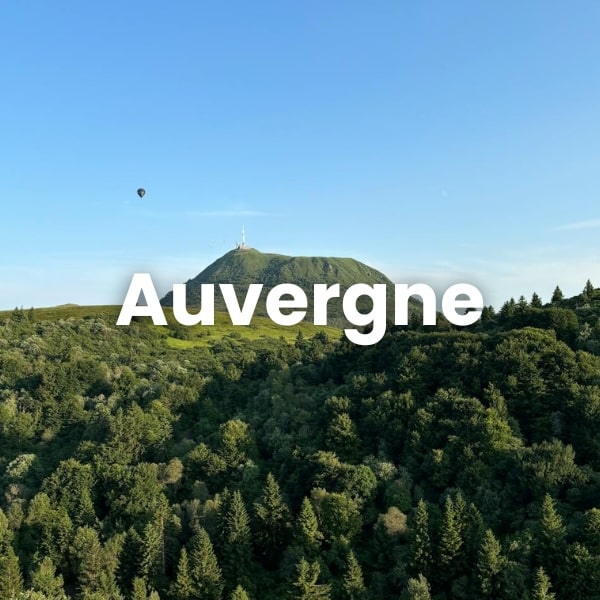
[(243, 267)]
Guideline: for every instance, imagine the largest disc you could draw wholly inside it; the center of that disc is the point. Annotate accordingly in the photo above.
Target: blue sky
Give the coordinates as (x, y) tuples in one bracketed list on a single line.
[(438, 141)]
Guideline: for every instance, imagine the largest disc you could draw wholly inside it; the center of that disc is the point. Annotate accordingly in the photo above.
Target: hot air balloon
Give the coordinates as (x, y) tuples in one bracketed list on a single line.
[(141, 192)]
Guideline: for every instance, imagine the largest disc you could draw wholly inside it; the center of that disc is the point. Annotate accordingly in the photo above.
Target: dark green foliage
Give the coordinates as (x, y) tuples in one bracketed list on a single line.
[(307, 534), (435, 464), (272, 521), (205, 571), (183, 588), (541, 586), (557, 295), (450, 541), (549, 538), (94, 567), (420, 542), (45, 580), (306, 586), (588, 292), (353, 583), (417, 589), (489, 566), (236, 541), (536, 301), (239, 593), (11, 579)]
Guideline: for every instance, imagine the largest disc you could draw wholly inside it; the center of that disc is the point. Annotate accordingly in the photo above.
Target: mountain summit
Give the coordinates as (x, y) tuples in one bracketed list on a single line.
[(245, 265)]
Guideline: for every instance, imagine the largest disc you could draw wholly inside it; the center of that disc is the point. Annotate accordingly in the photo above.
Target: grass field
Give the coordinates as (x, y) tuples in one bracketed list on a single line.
[(180, 336)]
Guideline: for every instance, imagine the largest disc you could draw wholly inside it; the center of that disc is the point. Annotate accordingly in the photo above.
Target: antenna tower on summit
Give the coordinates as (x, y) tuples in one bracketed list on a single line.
[(243, 246)]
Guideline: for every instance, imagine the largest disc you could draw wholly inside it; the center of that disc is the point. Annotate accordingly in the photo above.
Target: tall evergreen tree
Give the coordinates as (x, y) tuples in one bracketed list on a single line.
[(204, 568), (475, 527), (239, 594), (87, 551), (489, 566), (549, 542), (306, 587), (183, 588), (11, 579), (557, 295), (307, 534), (588, 292), (152, 563), (353, 583), (130, 558), (580, 575), (273, 521), (158, 546), (451, 541), (44, 579), (536, 301), (236, 542), (5, 533), (417, 589), (420, 543), (541, 586), (139, 590)]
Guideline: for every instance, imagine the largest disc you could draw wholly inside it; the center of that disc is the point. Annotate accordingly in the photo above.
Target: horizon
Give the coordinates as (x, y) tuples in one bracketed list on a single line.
[(437, 144), (437, 290)]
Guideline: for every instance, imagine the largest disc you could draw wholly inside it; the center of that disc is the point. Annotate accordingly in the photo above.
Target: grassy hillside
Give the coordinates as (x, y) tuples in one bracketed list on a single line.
[(243, 267), (179, 336)]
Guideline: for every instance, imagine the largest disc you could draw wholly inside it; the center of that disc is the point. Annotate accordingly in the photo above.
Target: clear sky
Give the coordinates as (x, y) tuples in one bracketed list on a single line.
[(437, 141)]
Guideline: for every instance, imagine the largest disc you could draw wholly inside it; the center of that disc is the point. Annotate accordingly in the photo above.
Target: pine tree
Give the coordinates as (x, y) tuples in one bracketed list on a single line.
[(588, 292), (44, 579), (156, 551), (239, 594), (236, 539), (475, 528), (139, 591), (557, 295), (541, 586), (307, 534), (129, 558), (204, 567), (342, 438), (5, 533), (489, 566), (451, 542), (536, 301), (420, 543), (183, 588), (580, 576), (417, 589), (273, 519), (353, 583), (306, 587), (152, 565), (508, 309), (11, 579), (550, 538), (159, 546), (87, 550)]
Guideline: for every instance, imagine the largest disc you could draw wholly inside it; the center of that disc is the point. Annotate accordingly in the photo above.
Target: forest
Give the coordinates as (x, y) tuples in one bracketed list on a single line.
[(441, 463)]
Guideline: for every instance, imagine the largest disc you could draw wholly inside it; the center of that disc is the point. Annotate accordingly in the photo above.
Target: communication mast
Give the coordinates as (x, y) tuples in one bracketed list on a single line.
[(242, 245)]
